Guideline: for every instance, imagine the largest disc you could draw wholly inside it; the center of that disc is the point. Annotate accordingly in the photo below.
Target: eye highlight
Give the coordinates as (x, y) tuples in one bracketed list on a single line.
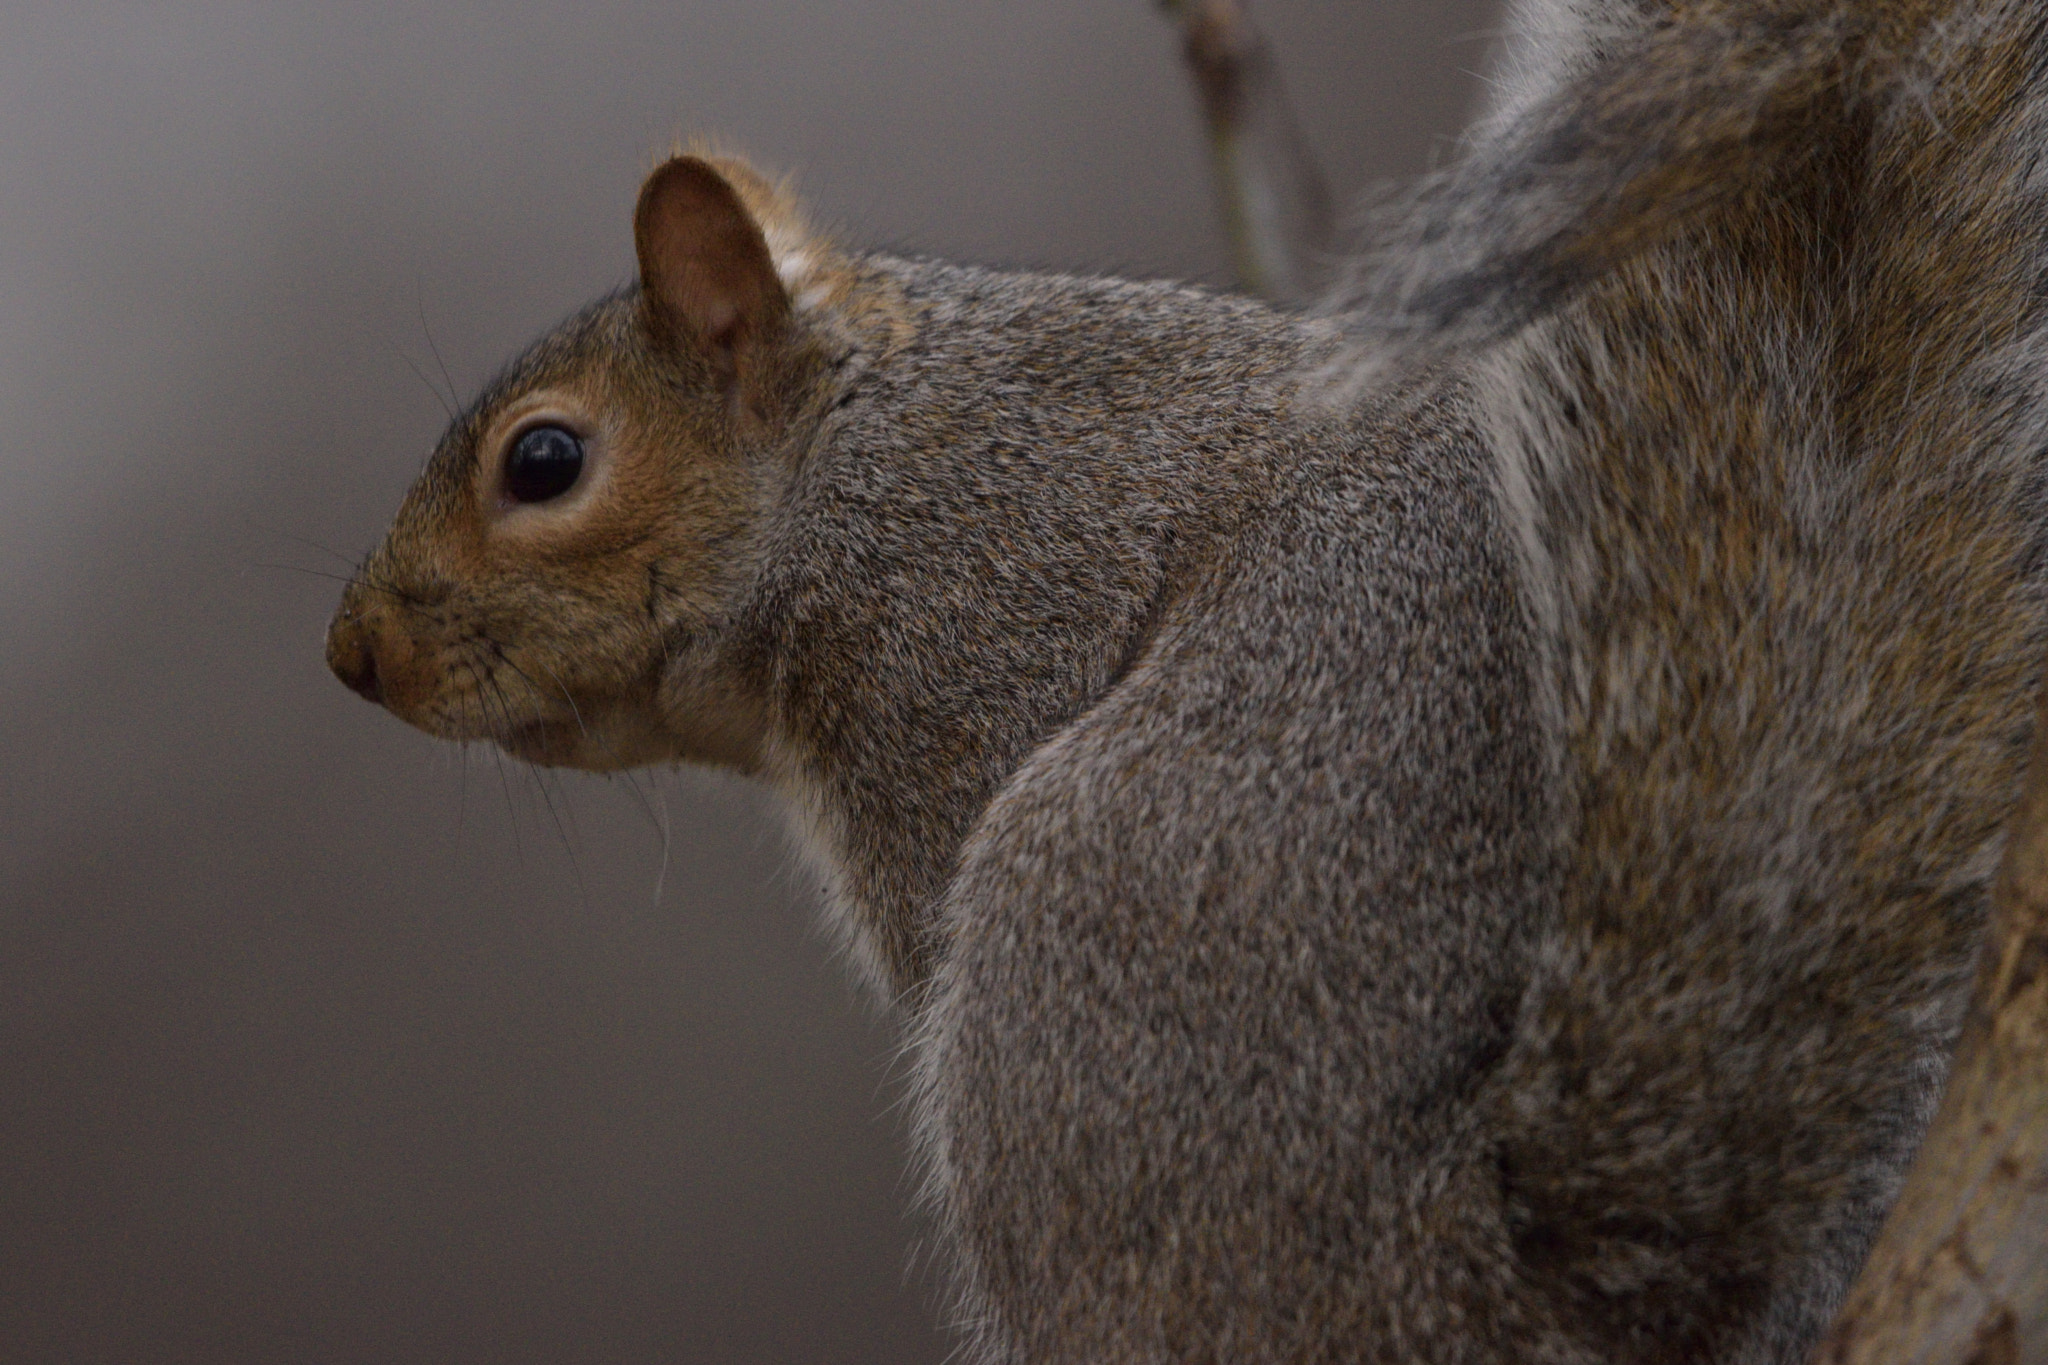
[(544, 463)]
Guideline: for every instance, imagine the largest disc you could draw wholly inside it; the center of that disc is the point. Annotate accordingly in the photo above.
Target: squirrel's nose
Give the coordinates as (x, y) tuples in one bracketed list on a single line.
[(352, 654)]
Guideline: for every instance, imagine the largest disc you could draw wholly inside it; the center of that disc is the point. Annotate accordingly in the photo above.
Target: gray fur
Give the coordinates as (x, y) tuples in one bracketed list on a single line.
[(1485, 871)]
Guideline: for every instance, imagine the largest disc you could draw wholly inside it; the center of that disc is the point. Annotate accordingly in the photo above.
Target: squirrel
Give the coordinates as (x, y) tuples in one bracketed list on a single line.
[(1453, 829)]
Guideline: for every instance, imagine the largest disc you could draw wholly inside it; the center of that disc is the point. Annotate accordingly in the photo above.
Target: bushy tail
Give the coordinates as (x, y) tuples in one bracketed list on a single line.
[(1776, 477), (1668, 114)]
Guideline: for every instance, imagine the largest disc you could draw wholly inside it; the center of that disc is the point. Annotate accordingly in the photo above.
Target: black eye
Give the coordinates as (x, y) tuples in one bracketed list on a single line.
[(545, 463)]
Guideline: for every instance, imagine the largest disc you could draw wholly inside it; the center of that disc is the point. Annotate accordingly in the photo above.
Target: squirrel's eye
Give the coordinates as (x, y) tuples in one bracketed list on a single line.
[(544, 463)]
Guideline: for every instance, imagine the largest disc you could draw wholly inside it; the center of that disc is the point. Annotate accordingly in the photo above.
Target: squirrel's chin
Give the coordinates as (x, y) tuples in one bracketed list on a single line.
[(593, 747)]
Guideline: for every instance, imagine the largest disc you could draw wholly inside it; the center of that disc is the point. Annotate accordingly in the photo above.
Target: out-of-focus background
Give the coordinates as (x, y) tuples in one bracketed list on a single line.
[(320, 1042)]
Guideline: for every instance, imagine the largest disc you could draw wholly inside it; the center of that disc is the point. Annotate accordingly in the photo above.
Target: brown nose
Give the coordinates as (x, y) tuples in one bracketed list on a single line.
[(352, 654)]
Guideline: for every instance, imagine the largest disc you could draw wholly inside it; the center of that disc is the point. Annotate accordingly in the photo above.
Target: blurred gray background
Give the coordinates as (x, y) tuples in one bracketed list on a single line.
[(319, 1042)]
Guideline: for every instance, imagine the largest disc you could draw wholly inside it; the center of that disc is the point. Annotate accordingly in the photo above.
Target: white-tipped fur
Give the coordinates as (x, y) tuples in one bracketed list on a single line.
[(1479, 870), (817, 837)]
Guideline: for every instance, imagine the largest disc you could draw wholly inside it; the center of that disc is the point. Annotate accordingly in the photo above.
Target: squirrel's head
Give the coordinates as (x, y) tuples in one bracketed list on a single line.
[(560, 579)]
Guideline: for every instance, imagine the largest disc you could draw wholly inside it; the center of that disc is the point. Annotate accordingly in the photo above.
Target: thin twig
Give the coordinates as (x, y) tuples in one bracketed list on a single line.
[(1275, 206)]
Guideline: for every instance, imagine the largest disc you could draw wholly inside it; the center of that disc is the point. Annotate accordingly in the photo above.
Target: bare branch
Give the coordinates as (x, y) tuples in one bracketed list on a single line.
[(1960, 1271), (1275, 207)]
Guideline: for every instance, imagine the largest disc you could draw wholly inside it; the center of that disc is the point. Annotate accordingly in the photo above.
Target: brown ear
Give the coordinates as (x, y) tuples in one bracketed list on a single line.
[(708, 279)]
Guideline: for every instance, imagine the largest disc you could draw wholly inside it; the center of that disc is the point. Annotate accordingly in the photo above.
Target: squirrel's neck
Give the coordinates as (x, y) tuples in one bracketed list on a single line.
[(970, 553)]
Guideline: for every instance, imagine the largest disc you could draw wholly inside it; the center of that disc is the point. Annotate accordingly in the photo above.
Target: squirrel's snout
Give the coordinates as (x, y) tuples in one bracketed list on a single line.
[(352, 654)]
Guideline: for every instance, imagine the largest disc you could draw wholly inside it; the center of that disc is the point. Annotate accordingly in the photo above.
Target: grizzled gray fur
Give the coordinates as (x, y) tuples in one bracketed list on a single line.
[(1456, 832)]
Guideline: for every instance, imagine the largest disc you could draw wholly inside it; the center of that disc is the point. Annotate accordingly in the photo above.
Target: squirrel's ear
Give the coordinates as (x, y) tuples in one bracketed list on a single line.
[(705, 270)]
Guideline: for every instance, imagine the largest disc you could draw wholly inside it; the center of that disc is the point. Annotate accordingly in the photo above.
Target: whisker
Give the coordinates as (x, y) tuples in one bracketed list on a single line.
[(332, 577), (541, 777), (324, 549), (646, 799), (462, 799), (573, 710), (421, 375), (626, 779), (359, 578), (667, 840), (420, 301), (300, 568), (482, 685), (506, 659)]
